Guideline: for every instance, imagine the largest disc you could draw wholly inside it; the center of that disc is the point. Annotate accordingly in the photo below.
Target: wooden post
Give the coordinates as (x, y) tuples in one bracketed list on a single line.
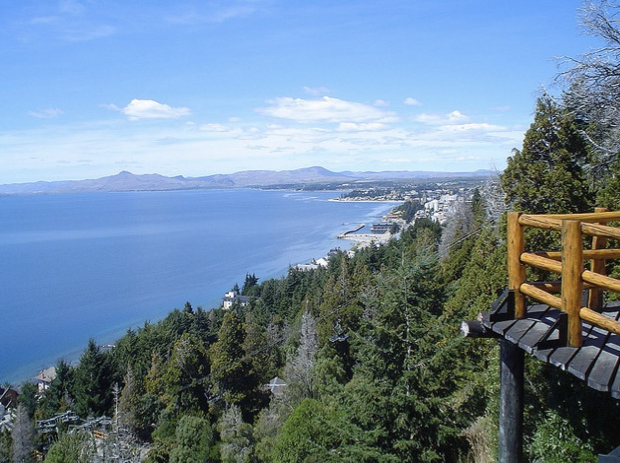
[(516, 270), (510, 403), (572, 283), (595, 300)]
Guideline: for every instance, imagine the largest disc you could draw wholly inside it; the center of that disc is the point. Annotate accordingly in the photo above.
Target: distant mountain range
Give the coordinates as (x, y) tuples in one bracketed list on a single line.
[(126, 181)]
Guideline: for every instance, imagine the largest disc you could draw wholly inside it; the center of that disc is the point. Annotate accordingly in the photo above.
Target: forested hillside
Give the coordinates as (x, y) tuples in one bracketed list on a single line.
[(369, 349)]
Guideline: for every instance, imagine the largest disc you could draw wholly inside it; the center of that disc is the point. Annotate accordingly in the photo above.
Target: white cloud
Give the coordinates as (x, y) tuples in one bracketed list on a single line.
[(48, 113), (366, 127), (412, 102), (324, 110), (455, 117), (381, 103), (150, 109), (215, 128)]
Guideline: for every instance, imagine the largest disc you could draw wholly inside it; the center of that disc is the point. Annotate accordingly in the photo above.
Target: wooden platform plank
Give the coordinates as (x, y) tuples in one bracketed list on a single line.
[(561, 356), (583, 361), (501, 327), (545, 320), (606, 367), (518, 330), (530, 340), (615, 386), (603, 371), (597, 362)]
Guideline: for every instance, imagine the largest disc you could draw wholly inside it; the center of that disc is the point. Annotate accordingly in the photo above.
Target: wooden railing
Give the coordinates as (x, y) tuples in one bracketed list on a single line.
[(569, 264)]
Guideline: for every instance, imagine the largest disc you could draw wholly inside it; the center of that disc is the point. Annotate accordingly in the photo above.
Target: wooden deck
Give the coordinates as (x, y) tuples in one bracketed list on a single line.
[(540, 333)]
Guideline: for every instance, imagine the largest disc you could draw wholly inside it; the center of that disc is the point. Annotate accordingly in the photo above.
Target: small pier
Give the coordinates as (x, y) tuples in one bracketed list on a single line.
[(348, 232)]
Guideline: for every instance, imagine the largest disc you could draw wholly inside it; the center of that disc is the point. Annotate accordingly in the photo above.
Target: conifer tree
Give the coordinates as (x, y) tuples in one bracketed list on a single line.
[(546, 175), (93, 382), (230, 369)]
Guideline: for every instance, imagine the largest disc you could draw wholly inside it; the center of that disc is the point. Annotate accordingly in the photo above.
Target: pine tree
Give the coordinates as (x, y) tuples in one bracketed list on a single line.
[(546, 175), (93, 382), (230, 368)]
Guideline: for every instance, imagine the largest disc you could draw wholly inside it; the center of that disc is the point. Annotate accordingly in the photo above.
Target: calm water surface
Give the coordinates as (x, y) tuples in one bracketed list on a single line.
[(78, 266)]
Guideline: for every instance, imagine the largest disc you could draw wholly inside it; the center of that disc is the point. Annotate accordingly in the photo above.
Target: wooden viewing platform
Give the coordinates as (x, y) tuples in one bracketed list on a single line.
[(540, 335), (564, 323)]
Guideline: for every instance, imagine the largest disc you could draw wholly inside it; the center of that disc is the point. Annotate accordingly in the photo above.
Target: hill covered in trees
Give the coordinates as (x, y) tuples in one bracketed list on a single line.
[(368, 347)]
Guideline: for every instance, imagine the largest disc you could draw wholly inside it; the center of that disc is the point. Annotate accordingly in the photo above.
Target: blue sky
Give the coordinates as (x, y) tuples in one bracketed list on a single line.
[(89, 88)]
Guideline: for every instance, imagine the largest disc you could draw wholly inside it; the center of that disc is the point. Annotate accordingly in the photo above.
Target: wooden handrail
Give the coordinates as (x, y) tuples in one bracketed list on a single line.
[(545, 222), (541, 262), (587, 254), (568, 263), (602, 216)]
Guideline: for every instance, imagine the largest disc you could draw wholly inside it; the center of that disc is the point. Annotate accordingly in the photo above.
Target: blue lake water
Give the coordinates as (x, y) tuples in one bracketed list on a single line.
[(78, 266)]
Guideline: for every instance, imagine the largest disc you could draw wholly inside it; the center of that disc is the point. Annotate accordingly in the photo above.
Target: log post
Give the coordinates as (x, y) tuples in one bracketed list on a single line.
[(516, 270), (572, 283), (595, 300), (511, 403)]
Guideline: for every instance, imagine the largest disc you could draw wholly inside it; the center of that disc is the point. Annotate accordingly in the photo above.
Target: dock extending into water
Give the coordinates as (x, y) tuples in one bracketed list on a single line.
[(343, 235)]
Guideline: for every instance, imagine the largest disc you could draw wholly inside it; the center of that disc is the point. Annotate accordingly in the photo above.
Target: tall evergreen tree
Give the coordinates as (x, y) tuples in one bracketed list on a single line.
[(230, 368), (93, 382), (546, 175)]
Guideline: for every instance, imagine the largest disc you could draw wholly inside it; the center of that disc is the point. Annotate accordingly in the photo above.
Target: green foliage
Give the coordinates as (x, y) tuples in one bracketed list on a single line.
[(555, 441), (59, 397), (5, 446), (302, 435), (75, 448), (28, 398), (546, 175), (231, 372), (93, 382), (250, 285), (195, 441), (237, 438), (408, 210)]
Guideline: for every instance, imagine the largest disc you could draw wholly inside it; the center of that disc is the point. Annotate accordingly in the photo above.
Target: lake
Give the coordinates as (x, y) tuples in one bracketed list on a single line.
[(78, 266)]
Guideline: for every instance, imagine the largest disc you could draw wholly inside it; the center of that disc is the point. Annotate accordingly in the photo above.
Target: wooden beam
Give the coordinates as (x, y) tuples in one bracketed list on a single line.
[(541, 262), (595, 299), (593, 229), (603, 281), (587, 253), (475, 329), (597, 319), (541, 295), (511, 403), (600, 214), (516, 270), (572, 284), (540, 221)]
